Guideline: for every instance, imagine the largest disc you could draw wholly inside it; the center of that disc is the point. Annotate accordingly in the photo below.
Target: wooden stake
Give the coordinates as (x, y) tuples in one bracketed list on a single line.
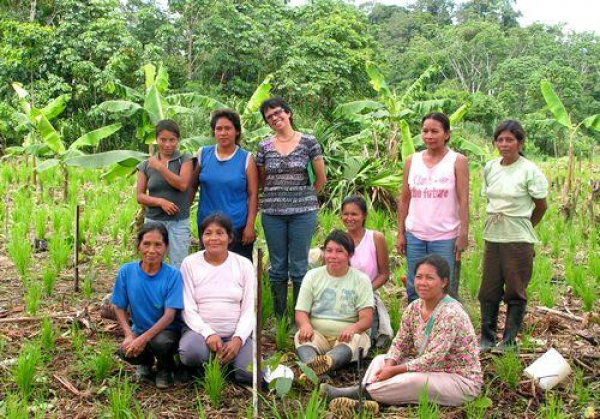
[(256, 378), (76, 250)]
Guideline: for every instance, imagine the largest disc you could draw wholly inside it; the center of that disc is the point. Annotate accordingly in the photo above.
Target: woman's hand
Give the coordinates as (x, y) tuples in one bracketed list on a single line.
[(348, 333), (306, 333), (462, 242), (168, 207), (136, 347), (248, 235), (230, 350), (214, 343), (387, 372), (155, 164), (401, 244)]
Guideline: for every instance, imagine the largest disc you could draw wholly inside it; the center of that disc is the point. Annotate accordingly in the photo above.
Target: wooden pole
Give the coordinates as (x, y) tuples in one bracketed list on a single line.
[(76, 249), (256, 376)]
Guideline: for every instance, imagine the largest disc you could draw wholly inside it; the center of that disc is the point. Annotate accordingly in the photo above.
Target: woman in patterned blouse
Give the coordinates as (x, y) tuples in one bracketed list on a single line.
[(289, 203), (436, 348)]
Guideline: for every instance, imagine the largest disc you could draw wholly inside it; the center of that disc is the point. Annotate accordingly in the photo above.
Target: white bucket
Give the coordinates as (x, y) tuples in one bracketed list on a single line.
[(549, 369)]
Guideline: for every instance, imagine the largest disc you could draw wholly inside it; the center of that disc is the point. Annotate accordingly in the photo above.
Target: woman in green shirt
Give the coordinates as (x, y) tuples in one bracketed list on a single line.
[(516, 193)]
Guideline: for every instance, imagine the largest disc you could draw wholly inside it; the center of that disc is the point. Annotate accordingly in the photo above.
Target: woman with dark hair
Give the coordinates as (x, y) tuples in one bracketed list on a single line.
[(218, 294), (516, 193), (371, 257), (334, 310), (436, 347), (228, 180), (162, 186), (433, 208), (285, 161), (152, 293)]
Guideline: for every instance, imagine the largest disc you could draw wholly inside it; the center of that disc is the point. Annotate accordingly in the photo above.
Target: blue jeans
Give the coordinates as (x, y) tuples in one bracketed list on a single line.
[(179, 239), (288, 239), (417, 249)]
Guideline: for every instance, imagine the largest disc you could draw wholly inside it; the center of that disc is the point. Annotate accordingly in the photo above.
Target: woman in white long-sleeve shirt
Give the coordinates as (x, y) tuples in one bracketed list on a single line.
[(218, 294)]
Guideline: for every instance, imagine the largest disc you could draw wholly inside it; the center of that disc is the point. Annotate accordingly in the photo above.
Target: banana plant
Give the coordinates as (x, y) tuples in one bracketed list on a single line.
[(563, 118), (52, 146)]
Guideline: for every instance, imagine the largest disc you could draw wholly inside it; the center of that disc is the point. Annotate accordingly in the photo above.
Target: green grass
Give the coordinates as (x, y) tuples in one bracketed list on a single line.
[(24, 371), (100, 362), (33, 297), (282, 338), (427, 408), (120, 400), (213, 382), (48, 335), (60, 249), (509, 368), (19, 249)]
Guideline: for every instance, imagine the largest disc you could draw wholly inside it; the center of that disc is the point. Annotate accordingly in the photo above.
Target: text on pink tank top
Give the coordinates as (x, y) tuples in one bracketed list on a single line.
[(365, 256), (433, 210)]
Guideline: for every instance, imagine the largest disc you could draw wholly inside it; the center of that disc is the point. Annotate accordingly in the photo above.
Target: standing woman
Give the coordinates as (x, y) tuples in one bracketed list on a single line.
[(516, 192), (433, 209), (228, 180), (370, 257), (162, 186), (289, 204)]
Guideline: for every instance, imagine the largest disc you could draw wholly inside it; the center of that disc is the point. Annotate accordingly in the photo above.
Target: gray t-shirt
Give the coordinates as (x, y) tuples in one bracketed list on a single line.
[(158, 187)]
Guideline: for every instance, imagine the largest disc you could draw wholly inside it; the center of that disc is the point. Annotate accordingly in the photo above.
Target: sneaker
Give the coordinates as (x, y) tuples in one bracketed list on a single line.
[(143, 373), (164, 379)]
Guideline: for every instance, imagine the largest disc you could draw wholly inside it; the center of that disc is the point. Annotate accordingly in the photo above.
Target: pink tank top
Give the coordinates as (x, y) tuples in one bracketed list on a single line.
[(433, 210), (365, 256)]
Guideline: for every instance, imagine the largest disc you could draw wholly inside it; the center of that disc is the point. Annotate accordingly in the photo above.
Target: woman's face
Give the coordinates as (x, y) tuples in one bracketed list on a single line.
[(352, 217), (428, 284), (278, 118), (152, 247), (167, 142), (433, 134), (215, 239), (336, 257), (508, 146), (225, 132)]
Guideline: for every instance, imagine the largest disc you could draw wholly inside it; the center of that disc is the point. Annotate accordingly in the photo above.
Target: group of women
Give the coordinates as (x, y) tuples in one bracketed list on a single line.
[(338, 312)]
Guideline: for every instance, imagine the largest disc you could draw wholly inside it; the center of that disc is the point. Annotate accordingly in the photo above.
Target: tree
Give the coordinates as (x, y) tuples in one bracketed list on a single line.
[(501, 12)]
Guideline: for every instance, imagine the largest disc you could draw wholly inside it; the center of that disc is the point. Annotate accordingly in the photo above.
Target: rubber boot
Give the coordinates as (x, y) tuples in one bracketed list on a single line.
[(306, 353), (514, 319), (337, 357), (279, 293), (489, 323), (331, 392), (297, 286)]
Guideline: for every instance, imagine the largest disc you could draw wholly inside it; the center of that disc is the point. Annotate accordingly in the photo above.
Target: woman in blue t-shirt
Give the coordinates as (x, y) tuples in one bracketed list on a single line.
[(152, 292), (228, 180)]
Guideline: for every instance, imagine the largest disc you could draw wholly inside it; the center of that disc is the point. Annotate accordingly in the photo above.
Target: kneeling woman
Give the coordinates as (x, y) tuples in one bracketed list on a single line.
[(218, 293), (435, 347), (152, 292), (334, 310)]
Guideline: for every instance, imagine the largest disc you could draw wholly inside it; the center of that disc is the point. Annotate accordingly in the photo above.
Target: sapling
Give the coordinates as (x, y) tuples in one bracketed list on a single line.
[(427, 409), (100, 361), (49, 279), (60, 249), (33, 296), (120, 398), (266, 308), (509, 368), (282, 339), (40, 223), (214, 381), (19, 249), (24, 370)]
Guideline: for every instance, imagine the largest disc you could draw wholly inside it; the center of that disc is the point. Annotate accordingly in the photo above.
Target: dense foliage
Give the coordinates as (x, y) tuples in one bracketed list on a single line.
[(316, 53)]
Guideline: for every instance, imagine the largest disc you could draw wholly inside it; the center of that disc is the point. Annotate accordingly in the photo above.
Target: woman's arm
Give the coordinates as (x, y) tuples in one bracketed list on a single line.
[(538, 212), (364, 323), (319, 169), (194, 183), (462, 194), (383, 261), (305, 329), (248, 235), (403, 204), (179, 182), (151, 201)]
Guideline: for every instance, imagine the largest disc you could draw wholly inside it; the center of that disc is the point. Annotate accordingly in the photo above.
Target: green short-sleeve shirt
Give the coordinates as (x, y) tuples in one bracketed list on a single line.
[(333, 302), (510, 191)]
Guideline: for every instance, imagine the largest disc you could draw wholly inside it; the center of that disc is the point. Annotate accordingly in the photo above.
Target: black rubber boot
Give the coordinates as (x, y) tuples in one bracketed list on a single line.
[(489, 323), (514, 319), (279, 293), (306, 353), (352, 392), (297, 286)]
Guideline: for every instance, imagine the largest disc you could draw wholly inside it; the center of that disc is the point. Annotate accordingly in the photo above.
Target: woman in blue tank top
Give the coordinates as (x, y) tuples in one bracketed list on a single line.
[(228, 180)]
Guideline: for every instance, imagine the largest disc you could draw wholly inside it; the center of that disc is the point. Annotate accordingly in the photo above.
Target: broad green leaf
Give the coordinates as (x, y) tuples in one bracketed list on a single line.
[(14, 151), (172, 111), (408, 146), (99, 160), (592, 122), (196, 101), (155, 105), (162, 79), (262, 92), (48, 133), (192, 144), (56, 106), (149, 75), (24, 122), (124, 107), (349, 109), (555, 105), (425, 106), (93, 138), (38, 149), (283, 386), (21, 93), (419, 85), (47, 164), (459, 114), (118, 171), (375, 77), (466, 145), (308, 371)]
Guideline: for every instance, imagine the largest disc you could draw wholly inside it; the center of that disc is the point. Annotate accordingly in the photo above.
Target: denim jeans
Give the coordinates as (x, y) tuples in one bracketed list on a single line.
[(288, 239), (179, 239), (417, 249)]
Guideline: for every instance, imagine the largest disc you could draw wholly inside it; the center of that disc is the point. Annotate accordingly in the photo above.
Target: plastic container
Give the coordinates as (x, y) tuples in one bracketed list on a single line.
[(549, 369)]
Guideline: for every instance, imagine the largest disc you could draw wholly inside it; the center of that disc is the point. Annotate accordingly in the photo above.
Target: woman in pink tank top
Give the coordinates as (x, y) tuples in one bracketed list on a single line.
[(371, 257), (433, 208)]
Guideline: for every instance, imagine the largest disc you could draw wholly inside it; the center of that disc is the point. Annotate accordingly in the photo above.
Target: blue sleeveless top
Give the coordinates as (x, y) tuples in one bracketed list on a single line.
[(223, 185)]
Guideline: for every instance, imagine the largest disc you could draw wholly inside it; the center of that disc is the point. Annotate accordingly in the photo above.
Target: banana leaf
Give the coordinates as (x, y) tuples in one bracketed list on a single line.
[(56, 106), (262, 92), (99, 160), (592, 122), (408, 146), (93, 138), (555, 105), (125, 107), (47, 164), (155, 105), (49, 134)]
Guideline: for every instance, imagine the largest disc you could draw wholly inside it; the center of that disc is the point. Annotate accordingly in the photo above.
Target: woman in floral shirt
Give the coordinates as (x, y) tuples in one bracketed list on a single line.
[(435, 347)]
